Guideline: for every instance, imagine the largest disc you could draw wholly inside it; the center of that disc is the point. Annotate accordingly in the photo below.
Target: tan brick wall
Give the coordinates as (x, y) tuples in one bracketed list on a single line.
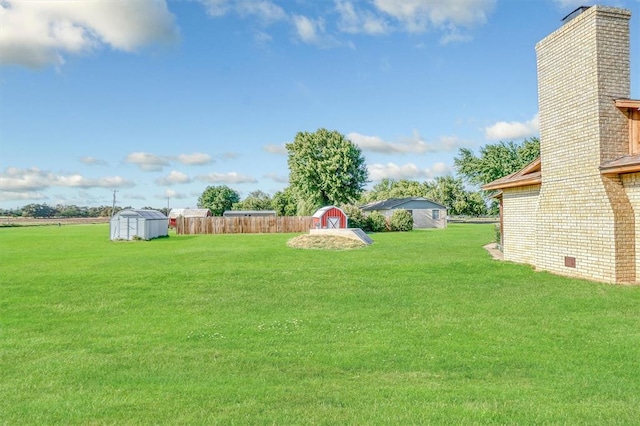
[(582, 68), (520, 207), (631, 184)]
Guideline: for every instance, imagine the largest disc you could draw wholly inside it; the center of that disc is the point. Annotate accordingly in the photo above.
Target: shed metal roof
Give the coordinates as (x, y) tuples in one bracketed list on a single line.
[(189, 213), (322, 210), (395, 203), (147, 214)]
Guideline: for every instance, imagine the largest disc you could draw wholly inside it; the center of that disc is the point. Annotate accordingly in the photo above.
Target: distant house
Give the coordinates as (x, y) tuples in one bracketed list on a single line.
[(426, 213), (249, 213), (175, 213), (133, 224), (329, 217)]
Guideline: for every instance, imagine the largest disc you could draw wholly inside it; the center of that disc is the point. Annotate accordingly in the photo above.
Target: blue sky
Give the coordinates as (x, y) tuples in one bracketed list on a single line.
[(158, 100)]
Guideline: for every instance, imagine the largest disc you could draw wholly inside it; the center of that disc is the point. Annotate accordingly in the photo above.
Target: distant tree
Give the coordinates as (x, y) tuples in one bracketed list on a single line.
[(256, 200), (390, 188), (450, 192), (38, 210), (163, 210), (218, 199), (285, 202), (71, 211), (495, 160), (325, 168), (11, 212)]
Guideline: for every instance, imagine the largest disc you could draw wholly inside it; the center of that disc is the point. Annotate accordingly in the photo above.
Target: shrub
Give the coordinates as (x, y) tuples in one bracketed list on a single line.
[(357, 219), (401, 220), (377, 222)]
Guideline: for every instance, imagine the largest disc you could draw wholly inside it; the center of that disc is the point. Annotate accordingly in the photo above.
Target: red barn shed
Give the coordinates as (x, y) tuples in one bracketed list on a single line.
[(329, 217)]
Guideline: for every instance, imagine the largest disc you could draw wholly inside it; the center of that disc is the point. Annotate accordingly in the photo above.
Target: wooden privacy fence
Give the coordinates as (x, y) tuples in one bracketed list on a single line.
[(242, 225)]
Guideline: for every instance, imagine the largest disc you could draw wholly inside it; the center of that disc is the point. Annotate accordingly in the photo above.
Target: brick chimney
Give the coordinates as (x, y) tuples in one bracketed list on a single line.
[(585, 225)]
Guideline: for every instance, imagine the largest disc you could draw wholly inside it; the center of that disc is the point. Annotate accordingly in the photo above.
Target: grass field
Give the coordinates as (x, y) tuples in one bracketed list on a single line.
[(421, 327)]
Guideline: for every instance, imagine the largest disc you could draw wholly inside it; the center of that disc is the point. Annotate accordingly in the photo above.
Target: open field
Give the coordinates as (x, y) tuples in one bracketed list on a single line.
[(419, 328), (32, 221)]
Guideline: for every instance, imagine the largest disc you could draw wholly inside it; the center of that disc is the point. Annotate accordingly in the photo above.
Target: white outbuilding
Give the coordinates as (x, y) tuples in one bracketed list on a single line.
[(133, 224)]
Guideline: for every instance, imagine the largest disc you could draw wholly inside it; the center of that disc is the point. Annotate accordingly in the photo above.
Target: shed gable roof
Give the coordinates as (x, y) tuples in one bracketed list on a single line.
[(397, 203), (322, 210), (147, 214), (189, 213)]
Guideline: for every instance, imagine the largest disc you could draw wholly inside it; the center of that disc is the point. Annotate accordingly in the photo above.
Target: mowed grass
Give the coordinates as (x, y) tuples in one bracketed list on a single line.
[(421, 327)]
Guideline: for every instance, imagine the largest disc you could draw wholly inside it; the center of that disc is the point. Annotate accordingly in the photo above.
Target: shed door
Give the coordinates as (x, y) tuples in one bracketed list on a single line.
[(333, 222), (128, 227)]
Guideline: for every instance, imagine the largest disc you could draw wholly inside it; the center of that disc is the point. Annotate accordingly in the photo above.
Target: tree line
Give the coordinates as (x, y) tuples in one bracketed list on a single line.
[(66, 211), (326, 168)]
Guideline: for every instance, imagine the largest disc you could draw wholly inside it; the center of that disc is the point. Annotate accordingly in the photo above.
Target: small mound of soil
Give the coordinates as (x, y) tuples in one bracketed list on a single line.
[(324, 242)]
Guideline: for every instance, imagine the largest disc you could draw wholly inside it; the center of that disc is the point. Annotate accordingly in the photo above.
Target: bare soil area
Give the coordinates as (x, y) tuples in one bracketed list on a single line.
[(32, 221)]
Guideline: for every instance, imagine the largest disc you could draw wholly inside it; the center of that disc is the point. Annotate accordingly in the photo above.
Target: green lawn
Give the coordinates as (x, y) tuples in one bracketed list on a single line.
[(421, 327)]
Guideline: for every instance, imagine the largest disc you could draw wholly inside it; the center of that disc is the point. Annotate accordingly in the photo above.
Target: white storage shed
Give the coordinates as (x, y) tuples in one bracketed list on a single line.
[(133, 224)]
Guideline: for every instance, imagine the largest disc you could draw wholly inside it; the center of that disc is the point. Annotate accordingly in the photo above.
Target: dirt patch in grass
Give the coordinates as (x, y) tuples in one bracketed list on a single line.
[(324, 242), (31, 221)]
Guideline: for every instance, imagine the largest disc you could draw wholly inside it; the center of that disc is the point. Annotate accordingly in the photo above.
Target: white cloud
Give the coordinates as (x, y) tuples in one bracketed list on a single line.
[(454, 35), (231, 177), (92, 161), (409, 171), (504, 130), (313, 31), (308, 30), (134, 197), (79, 181), (175, 177), (33, 179), (146, 161), (170, 193), (262, 39), (216, 7), (356, 21), (414, 144), (419, 15), (230, 155), (263, 9), (440, 169), (277, 178), (38, 33), (570, 3), (195, 159), (275, 149), (17, 196)]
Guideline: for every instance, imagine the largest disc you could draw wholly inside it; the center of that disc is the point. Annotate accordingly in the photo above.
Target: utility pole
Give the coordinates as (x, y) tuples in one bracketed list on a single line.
[(113, 208)]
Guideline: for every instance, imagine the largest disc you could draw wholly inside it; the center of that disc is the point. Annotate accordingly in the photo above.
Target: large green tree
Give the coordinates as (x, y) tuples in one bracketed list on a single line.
[(218, 199), (450, 192), (325, 168), (285, 203), (256, 200), (495, 160)]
